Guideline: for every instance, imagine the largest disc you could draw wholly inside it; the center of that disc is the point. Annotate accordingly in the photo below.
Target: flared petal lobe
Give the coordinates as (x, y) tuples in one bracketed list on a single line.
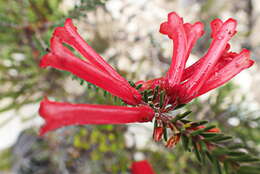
[(57, 114), (215, 26), (62, 58), (142, 167)]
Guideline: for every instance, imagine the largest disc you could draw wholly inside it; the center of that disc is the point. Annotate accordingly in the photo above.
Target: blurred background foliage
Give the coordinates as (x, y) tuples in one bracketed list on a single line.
[(25, 29)]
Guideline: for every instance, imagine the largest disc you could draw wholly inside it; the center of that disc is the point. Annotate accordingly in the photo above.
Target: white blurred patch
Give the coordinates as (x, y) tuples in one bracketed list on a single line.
[(192, 59), (73, 86), (15, 124), (68, 5), (13, 72), (234, 121), (114, 7), (139, 156), (18, 56), (244, 80), (142, 133), (124, 64)]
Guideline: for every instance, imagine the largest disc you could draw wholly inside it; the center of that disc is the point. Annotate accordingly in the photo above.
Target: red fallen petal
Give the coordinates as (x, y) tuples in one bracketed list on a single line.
[(142, 167), (191, 87), (57, 114), (178, 35), (69, 35), (62, 58), (240, 62)]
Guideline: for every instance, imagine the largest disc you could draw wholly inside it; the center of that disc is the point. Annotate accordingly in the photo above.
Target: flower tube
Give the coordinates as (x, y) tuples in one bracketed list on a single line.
[(57, 114), (188, 72), (70, 36), (215, 26), (174, 28), (191, 87), (193, 32), (62, 58), (219, 77)]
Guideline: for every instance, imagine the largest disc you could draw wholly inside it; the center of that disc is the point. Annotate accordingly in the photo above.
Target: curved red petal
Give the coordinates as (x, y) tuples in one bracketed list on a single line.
[(190, 88), (62, 58), (69, 35), (193, 32), (240, 62), (226, 72), (178, 35), (226, 56), (57, 114)]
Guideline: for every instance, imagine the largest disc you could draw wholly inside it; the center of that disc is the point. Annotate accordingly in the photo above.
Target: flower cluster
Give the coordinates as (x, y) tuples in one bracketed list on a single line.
[(214, 69), (146, 99), (96, 71)]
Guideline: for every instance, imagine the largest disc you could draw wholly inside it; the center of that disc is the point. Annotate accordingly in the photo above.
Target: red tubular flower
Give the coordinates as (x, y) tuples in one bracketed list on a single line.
[(174, 28), (57, 114), (193, 33), (184, 37), (222, 75), (213, 70), (191, 87), (70, 36), (62, 58), (142, 167)]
